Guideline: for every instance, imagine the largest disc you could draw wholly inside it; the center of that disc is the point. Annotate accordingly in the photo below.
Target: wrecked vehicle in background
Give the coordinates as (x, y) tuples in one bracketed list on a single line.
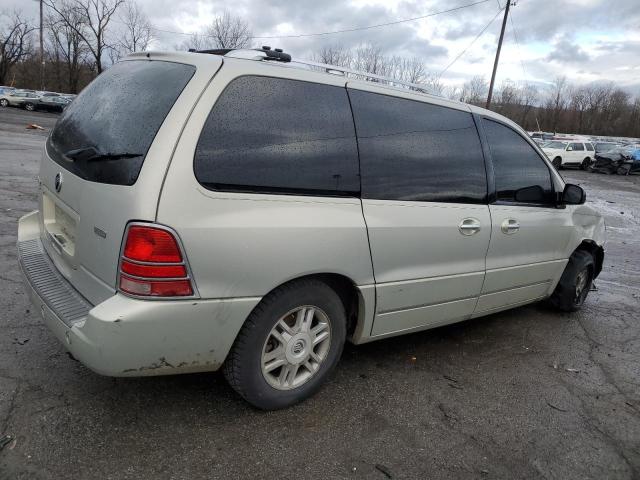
[(620, 160)]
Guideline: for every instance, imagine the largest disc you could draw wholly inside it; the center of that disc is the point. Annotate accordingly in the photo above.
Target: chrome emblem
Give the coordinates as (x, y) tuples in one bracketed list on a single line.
[(58, 182)]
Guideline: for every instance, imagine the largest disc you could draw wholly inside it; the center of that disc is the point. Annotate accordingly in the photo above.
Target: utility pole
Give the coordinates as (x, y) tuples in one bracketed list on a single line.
[(495, 63), (41, 51)]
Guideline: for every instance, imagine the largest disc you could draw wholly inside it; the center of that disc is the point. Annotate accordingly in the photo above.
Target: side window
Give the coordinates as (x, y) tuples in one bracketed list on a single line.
[(277, 135), (516, 165), (416, 151), (577, 147), (589, 147)]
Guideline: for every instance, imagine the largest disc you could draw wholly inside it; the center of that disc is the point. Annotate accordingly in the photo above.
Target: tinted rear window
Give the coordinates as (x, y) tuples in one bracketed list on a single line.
[(277, 135), (115, 119), (417, 151)]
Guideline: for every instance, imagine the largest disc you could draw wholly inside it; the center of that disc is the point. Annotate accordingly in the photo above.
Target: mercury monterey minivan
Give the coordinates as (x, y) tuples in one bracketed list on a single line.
[(236, 209)]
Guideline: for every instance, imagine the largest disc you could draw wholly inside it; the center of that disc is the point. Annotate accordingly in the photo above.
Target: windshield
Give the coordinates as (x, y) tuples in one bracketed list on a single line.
[(116, 118), (560, 145)]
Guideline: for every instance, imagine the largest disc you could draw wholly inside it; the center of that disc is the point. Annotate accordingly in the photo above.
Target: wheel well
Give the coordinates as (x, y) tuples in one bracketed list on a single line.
[(346, 290), (596, 251)]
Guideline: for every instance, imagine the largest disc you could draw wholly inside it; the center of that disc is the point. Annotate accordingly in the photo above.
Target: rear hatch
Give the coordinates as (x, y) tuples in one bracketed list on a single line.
[(105, 161)]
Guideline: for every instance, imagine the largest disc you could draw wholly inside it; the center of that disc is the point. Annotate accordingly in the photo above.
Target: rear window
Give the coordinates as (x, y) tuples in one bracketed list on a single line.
[(104, 135)]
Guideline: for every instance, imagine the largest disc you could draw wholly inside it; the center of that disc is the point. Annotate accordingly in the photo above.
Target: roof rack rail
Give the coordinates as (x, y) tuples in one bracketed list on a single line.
[(276, 54), (266, 53), (362, 75)]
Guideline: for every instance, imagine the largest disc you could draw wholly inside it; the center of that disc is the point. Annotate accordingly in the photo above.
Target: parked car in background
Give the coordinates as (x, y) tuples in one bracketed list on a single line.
[(605, 146), (47, 94), (51, 103), (569, 153), (19, 98), (4, 90), (545, 136), (622, 160)]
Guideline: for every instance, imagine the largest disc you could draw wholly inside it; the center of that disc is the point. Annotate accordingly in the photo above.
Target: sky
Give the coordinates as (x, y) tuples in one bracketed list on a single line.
[(584, 40)]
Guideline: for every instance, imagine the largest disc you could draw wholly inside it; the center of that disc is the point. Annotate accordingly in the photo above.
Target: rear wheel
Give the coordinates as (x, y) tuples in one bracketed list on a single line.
[(575, 283), (4, 102), (288, 346), (29, 106), (557, 162), (586, 163)]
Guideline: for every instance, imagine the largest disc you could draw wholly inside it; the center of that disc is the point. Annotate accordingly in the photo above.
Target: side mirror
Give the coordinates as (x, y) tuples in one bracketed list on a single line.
[(573, 195), (533, 194)]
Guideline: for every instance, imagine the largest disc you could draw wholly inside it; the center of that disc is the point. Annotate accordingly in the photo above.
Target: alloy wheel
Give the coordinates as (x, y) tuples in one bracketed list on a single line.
[(296, 347)]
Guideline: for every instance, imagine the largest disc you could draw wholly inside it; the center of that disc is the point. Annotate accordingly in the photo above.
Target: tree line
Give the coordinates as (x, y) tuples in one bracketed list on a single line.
[(83, 37)]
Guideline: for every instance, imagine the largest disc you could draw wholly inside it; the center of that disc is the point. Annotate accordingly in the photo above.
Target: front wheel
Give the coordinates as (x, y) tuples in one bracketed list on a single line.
[(288, 346), (586, 163), (29, 107), (575, 283), (4, 102), (557, 162)]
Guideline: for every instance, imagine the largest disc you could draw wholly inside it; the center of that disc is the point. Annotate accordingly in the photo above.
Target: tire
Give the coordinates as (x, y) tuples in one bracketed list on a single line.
[(622, 170), (575, 283), (586, 163), (248, 361), (557, 162), (30, 107), (4, 102)]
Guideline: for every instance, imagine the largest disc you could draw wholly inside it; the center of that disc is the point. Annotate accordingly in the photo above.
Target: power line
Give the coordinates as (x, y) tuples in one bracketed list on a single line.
[(355, 29), (471, 44), (515, 35)]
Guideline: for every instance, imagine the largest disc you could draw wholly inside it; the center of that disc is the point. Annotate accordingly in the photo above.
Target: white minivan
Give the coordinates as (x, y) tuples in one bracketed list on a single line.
[(239, 209)]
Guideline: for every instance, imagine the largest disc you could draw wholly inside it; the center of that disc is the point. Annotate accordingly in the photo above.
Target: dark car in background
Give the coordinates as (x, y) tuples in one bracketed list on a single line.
[(51, 103), (622, 160), (602, 147)]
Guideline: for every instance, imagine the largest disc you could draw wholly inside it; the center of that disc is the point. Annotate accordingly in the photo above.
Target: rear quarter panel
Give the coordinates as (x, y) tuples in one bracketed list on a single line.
[(245, 244)]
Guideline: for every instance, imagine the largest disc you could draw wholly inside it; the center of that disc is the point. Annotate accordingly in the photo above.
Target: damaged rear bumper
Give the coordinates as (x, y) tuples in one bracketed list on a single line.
[(123, 336)]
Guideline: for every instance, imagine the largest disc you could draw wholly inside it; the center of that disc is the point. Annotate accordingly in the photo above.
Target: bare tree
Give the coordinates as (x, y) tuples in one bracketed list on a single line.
[(369, 58), (474, 90), (96, 15), (196, 41), (138, 33), (66, 44), (333, 55), (557, 100), (228, 31), (15, 42)]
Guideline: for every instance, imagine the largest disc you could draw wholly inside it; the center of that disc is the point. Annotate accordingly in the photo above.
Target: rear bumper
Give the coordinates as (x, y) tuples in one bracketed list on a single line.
[(123, 336)]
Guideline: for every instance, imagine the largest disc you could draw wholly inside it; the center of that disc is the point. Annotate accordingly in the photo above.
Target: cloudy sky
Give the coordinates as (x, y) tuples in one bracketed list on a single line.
[(586, 40)]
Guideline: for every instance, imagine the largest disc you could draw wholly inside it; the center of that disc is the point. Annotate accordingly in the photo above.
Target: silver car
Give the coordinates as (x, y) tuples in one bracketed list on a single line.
[(18, 98), (245, 211)]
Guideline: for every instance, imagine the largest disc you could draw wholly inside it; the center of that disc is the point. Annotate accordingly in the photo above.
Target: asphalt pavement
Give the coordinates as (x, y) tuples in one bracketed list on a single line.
[(527, 393)]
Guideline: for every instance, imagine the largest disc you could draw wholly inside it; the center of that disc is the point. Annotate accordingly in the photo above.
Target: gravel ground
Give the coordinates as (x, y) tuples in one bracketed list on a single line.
[(528, 393)]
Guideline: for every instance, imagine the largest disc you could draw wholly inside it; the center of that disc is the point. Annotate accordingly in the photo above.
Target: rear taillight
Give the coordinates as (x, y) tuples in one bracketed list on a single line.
[(152, 264)]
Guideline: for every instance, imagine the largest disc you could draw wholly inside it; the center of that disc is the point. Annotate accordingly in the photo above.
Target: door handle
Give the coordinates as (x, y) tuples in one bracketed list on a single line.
[(510, 226), (469, 226)]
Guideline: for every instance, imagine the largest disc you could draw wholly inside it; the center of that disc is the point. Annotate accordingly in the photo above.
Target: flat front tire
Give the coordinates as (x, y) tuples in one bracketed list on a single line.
[(288, 345), (575, 283)]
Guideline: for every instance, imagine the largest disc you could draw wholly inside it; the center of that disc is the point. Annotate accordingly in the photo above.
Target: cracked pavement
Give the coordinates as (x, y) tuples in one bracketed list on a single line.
[(527, 393)]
